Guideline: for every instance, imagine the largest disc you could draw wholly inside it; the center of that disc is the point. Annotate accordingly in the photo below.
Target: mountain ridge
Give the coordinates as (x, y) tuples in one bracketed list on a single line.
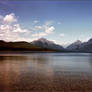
[(74, 46), (43, 44), (81, 47)]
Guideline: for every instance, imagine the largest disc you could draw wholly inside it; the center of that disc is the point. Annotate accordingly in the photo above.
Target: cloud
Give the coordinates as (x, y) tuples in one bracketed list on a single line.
[(43, 30), (10, 18), (36, 21), (59, 23), (38, 27), (17, 28), (7, 33), (1, 17), (50, 29), (48, 23), (46, 30), (10, 31), (62, 35), (41, 34)]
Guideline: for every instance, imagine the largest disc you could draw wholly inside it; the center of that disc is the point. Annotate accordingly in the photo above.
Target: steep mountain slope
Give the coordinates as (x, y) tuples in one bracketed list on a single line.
[(38, 45), (44, 43), (86, 46), (74, 46), (81, 47)]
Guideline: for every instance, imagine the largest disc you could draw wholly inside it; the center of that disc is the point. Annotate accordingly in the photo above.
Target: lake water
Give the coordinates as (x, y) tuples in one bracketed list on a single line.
[(46, 72)]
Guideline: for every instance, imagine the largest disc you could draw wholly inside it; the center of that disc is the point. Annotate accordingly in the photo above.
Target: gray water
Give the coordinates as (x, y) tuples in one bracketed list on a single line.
[(46, 71)]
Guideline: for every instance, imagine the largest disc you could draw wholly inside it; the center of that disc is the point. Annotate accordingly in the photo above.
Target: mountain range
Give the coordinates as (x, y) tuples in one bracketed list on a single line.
[(74, 46), (81, 46), (43, 44), (37, 45)]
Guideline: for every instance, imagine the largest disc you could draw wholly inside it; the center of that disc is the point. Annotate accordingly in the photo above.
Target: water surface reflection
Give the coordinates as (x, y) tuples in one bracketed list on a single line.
[(46, 72)]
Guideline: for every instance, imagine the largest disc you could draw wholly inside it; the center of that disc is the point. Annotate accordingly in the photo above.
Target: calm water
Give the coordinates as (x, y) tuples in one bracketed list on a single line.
[(46, 72)]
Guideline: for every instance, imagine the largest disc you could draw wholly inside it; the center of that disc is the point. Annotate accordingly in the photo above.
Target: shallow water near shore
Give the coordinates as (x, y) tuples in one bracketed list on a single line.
[(46, 72)]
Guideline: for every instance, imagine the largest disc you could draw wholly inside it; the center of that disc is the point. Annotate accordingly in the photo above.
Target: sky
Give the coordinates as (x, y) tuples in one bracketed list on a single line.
[(62, 21)]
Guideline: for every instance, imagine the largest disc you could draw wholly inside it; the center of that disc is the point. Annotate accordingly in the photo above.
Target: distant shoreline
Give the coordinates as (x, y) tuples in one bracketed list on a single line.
[(42, 52)]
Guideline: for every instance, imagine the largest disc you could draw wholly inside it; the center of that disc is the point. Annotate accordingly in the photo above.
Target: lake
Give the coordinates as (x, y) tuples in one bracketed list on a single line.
[(46, 72)]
